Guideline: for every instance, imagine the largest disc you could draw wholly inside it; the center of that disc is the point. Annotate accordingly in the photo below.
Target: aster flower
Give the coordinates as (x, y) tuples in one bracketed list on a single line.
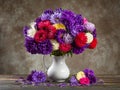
[(49, 11), (75, 29), (85, 20), (31, 45), (46, 15), (65, 47), (43, 25), (55, 18), (79, 19), (80, 75), (73, 81), (45, 47), (37, 77), (55, 44), (67, 18), (68, 38), (51, 32), (25, 29), (47, 27), (58, 10), (40, 36), (89, 26), (89, 37), (38, 19), (31, 32), (59, 35), (90, 74), (93, 44), (84, 81), (94, 33), (62, 85), (77, 50), (80, 39)]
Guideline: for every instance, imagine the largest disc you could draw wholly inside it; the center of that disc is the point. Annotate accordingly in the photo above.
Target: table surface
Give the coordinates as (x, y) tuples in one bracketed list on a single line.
[(111, 82)]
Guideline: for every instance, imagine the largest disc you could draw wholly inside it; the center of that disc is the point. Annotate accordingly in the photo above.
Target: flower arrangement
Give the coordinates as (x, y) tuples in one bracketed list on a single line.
[(60, 32), (85, 77)]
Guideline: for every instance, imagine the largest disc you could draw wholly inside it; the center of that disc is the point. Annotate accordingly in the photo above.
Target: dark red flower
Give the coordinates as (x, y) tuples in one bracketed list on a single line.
[(40, 35), (51, 32), (47, 26), (65, 47), (93, 44), (43, 25), (80, 39)]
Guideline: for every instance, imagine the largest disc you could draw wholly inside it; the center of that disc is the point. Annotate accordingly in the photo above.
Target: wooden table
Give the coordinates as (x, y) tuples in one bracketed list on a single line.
[(111, 82)]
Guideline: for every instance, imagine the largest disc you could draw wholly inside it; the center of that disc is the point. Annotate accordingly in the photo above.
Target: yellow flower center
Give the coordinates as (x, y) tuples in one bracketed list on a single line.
[(59, 26)]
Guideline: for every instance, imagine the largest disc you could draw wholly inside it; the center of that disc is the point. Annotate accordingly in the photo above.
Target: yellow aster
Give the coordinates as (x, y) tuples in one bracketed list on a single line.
[(59, 26), (55, 44), (80, 75)]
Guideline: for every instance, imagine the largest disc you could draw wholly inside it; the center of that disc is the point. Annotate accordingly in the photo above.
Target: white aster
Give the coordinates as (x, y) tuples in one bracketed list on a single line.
[(31, 32), (55, 44), (89, 37)]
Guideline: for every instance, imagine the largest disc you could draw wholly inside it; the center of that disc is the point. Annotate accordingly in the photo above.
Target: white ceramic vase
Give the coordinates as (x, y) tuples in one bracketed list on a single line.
[(58, 71)]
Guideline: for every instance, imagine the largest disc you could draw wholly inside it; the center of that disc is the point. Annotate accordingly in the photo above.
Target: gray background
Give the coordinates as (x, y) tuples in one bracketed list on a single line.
[(15, 14)]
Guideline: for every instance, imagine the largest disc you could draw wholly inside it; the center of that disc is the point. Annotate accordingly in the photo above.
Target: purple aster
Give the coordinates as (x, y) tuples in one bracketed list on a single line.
[(37, 77), (31, 45), (77, 50), (46, 15), (68, 38), (49, 11), (75, 29), (94, 33), (79, 19), (37, 20), (89, 26), (73, 81), (67, 18), (55, 18), (59, 35), (25, 29), (62, 84), (58, 10), (45, 47), (90, 74)]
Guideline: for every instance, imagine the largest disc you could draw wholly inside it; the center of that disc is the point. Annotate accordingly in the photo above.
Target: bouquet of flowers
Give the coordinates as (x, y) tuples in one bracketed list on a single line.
[(60, 32)]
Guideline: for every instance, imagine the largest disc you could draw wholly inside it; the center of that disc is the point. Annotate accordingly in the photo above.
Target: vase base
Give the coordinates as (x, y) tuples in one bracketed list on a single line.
[(60, 81)]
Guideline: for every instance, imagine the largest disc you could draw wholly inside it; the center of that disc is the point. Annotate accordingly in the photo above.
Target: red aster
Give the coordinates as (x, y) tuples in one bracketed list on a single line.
[(93, 44), (65, 47), (80, 39), (84, 81), (51, 32), (40, 35), (43, 25)]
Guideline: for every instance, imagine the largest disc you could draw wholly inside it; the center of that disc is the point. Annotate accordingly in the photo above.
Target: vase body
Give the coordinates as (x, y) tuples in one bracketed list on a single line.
[(58, 71)]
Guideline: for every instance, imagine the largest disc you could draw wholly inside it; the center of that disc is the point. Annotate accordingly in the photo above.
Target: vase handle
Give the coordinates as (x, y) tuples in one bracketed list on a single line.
[(44, 64)]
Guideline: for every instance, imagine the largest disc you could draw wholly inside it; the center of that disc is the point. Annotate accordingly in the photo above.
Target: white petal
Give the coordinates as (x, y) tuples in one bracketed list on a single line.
[(31, 32), (89, 37)]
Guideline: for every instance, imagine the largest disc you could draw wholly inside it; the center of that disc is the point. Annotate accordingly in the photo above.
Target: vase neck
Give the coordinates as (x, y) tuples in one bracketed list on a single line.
[(59, 59)]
